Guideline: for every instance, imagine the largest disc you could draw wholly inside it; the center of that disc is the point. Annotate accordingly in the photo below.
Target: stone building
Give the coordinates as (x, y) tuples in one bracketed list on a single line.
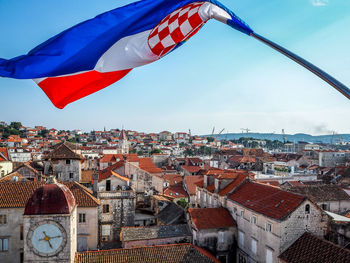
[(269, 220), (117, 204), (216, 185), (13, 198), (215, 230), (65, 163), (49, 225)]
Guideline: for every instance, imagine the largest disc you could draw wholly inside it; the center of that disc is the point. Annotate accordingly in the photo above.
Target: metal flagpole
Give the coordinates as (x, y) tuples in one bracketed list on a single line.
[(317, 71)]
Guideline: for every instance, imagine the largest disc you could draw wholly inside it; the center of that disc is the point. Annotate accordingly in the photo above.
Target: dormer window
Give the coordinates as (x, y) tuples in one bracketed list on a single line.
[(307, 209), (68, 161)]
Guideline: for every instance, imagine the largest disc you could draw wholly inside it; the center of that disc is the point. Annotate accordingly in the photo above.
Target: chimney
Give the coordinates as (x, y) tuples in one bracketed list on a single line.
[(216, 185), (205, 185), (95, 181)]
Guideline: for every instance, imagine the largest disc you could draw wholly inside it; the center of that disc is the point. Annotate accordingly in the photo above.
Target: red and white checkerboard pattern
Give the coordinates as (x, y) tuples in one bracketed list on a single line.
[(175, 28)]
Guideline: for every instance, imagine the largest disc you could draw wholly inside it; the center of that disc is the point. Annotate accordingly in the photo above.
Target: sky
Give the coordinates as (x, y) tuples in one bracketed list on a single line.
[(220, 77)]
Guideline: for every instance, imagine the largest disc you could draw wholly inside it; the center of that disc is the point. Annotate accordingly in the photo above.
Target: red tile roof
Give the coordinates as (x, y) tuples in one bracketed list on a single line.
[(309, 248), (173, 178), (269, 201), (190, 181), (178, 253), (208, 218), (3, 154), (110, 158), (107, 172), (148, 165), (191, 169), (175, 191), (16, 194)]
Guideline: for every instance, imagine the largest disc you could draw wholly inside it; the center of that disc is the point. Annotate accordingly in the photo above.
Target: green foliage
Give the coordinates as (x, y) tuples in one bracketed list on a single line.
[(183, 203), (43, 133), (155, 151), (210, 139), (140, 152), (16, 125), (133, 151), (189, 152)]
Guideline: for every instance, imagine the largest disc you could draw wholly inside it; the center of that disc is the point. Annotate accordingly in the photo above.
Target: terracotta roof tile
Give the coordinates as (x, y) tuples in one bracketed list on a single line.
[(208, 218), (64, 151), (16, 194), (175, 191), (173, 179), (190, 181), (156, 254), (270, 201), (107, 172), (191, 169), (309, 248), (148, 165), (320, 193), (3, 154)]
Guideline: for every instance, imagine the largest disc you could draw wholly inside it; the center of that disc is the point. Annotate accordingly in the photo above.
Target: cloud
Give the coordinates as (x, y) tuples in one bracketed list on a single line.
[(319, 2)]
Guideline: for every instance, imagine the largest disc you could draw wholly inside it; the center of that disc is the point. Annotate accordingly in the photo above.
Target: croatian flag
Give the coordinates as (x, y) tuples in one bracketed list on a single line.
[(96, 53)]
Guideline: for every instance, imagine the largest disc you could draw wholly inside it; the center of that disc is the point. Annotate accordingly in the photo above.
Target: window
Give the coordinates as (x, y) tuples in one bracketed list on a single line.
[(254, 245), (21, 232), (205, 197), (4, 244), (105, 208), (82, 218), (268, 227), (324, 206), (307, 209), (199, 195), (106, 230), (210, 199), (108, 185), (68, 161), (71, 175), (242, 213), (268, 258), (221, 237), (3, 220), (241, 238), (253, 220)]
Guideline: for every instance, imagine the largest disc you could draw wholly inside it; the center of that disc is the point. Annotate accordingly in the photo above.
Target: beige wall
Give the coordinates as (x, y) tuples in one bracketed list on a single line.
[(90, 228), (5, 168)]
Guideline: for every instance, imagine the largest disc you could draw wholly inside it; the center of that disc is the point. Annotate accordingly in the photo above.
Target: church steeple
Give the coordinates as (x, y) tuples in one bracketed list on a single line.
[(123, 142)]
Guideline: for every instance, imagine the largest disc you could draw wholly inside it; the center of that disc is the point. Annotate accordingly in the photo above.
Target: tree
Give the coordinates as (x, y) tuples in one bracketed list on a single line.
[(183, 203), (210, 139), (16, 125), (156, 150)]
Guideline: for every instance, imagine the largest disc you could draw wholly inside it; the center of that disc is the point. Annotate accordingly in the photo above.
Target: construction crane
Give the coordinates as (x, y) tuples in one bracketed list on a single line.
[(246, 130), (217, 135), (283, 136), (213, 131)]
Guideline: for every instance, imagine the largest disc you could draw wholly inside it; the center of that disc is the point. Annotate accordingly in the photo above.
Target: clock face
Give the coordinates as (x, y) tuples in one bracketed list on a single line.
[(47, 238)]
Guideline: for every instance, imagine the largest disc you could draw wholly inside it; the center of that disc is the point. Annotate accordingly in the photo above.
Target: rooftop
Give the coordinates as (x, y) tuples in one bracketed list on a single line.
[(208, 218), (309, 248), (154, 232), (166, 253), (267, 200)]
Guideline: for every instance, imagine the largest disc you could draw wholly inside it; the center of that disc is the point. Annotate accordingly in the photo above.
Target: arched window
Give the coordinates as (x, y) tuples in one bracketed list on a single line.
[(307, 209)]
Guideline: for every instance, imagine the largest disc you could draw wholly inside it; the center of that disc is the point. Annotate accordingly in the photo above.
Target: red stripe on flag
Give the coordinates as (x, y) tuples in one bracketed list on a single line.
[(64, 90)]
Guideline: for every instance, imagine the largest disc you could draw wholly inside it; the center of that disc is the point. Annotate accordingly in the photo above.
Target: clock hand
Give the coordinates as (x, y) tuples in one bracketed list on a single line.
[(55, 237), (49, 243)]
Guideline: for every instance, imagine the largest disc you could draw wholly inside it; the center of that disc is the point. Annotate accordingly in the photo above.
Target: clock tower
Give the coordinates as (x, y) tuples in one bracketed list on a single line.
[(50, 221)]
